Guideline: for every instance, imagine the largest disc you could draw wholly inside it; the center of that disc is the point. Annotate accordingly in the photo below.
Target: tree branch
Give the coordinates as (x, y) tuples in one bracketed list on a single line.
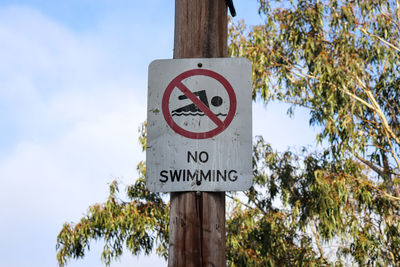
[(380, 39), (388, 130), (369, 164), (317, 237), (368, 183), (398, 11), (362, 101), (246, 205)]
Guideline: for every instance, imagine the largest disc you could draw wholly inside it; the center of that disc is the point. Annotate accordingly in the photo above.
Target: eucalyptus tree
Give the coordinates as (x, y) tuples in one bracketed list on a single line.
[(337, 204)]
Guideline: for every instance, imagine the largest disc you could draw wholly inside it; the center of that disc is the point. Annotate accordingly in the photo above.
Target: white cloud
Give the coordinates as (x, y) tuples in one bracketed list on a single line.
[(278, 129), (76, 116), (88, 153), (34, 46)]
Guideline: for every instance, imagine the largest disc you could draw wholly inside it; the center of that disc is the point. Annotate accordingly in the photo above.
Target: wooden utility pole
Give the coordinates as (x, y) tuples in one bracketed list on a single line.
[(197, 219)]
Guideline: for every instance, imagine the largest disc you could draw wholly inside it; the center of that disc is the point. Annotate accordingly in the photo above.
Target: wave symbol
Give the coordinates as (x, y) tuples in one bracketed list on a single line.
[(194, 114)]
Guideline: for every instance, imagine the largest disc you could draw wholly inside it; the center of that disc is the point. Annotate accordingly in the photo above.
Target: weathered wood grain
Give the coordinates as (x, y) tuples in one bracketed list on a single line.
[(197, 220)]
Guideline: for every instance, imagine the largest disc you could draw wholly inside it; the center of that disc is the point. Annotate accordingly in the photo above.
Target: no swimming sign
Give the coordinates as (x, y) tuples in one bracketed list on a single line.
[(199, 125)]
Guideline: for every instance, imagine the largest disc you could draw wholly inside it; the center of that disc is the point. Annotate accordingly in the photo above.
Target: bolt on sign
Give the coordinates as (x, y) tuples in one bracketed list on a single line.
[(199, 125)]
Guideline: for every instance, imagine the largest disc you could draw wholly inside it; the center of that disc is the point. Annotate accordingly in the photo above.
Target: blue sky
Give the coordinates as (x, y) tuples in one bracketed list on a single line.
[(73, 88)]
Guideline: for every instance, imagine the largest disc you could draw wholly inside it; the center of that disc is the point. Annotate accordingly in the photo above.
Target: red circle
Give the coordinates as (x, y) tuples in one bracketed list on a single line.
[(202, 135)]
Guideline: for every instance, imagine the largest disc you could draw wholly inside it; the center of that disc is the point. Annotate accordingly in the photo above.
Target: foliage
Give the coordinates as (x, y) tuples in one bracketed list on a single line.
[(334, 206), (340, 60), (138, 224)]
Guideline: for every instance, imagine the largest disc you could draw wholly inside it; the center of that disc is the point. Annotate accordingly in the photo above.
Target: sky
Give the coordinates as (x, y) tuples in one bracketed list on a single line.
[(73, 93)]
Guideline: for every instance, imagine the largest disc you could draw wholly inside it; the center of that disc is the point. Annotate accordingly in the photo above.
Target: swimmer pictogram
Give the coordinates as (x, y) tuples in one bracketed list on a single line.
[(199, 105), (193, 110)]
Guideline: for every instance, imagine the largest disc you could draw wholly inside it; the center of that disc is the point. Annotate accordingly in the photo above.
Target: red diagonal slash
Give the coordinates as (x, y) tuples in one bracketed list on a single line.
[(199, 104)]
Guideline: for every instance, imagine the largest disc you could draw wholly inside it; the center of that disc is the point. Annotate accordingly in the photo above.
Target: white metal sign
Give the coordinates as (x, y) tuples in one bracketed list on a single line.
[(199, 125)]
